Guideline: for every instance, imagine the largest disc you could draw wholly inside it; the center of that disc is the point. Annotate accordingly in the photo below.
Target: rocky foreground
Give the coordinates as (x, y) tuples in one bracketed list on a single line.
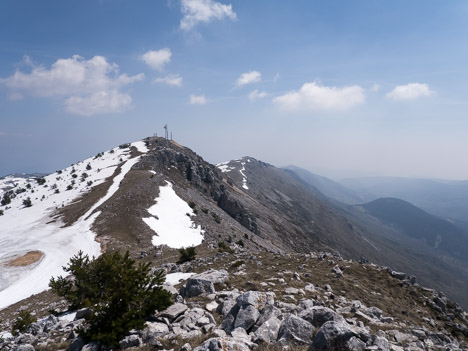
[(272, 302)]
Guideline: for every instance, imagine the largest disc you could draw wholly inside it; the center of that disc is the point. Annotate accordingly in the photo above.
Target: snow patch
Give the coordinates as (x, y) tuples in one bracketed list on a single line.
[(244, 178), (224, 167), (140, 146), (171, 221), (176, 278)]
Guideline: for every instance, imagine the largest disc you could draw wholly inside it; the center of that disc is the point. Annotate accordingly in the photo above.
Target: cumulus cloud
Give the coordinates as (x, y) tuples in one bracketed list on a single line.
[(312, 96), (198, 99), (88, 86), (249, 78), (173, 80), (205, 11), (256, 94), (157, 59), (409, 91)]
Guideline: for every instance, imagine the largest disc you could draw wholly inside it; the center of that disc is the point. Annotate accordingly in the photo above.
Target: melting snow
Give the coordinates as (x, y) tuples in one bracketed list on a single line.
[(225, 167), (176, 278), (171, 220), (24, 229), (244, 178)]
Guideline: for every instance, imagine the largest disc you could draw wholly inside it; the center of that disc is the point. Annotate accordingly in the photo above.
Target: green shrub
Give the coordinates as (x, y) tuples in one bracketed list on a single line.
[(27, 202), (240, 243), (22, 323), (40, 181), (204, 210), (6, 198), (1, 212), (118, 293), (222, 247), (216, 217), (187, 254), (192, 204), (88, 167), (70, 187), (90, 182)]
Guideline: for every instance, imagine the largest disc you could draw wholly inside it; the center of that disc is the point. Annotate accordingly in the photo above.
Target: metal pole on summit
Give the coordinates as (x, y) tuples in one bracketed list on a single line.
[(166, 134)]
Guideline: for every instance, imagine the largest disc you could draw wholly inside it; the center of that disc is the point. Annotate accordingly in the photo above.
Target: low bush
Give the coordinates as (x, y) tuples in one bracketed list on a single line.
[(27, 202), (222, 247), (119, 294), (22, 322), (187, 254)]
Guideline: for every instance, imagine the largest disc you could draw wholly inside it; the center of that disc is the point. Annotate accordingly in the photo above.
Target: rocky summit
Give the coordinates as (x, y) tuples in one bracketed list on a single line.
[(278, 264)]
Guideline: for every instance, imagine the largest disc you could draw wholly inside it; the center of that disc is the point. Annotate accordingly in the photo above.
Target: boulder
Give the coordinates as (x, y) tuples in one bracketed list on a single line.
[(246, 317), (295, 330), (203, 283), (268, 331), (130, 341), (334, 336), (223, 344), (318, 315), (174, 311), (153, 331)]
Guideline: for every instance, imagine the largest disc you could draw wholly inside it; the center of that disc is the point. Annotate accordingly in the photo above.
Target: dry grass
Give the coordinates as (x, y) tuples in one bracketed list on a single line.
[(25, 260)]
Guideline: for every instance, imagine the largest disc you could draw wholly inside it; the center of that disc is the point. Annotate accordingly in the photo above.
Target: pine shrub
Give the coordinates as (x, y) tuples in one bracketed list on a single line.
[(118, 293), (187, 254), (22, 323), (27, 202)]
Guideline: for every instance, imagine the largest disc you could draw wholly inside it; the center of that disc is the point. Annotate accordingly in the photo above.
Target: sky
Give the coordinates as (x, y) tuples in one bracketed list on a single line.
[(341, 88)]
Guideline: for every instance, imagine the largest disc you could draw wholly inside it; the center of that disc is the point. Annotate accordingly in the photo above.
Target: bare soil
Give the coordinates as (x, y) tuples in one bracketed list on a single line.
[(25, 260)]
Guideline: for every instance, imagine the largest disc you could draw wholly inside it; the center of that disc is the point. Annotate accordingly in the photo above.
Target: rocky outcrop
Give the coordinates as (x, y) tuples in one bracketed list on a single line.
[(243, 320)]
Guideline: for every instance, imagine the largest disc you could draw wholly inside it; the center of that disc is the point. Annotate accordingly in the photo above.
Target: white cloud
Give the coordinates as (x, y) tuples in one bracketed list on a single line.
[(313, 96), (375, 87), (409, 91), (171, 79), (198, 99), (276, 77), (249, 78), (255, 95), (196, 11), (157, 59), (88, 86)]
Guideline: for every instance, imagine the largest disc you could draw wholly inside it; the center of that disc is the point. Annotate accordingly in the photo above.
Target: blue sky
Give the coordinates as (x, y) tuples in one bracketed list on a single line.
[(342, 88)]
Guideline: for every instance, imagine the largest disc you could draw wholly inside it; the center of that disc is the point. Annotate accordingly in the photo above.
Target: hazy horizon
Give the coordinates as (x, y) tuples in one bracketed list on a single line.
[(341, 89)]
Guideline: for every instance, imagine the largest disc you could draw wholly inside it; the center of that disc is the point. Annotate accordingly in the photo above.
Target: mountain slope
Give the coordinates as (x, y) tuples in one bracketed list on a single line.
[(326, 186), (313, 219), (157, 192), (438, 233)]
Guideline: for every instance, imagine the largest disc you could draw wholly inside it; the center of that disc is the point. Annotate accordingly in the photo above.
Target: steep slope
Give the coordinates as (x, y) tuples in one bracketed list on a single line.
[(446, 199), (414, 222), (314, 220), (326, 186), (34, 244)]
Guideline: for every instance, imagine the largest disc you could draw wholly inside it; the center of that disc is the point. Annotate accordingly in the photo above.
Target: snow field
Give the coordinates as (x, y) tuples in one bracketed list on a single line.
[(24, 229), (171, 221)]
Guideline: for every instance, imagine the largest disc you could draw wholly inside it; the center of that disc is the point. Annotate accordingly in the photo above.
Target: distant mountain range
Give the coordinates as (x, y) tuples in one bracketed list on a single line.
[(446, 199)]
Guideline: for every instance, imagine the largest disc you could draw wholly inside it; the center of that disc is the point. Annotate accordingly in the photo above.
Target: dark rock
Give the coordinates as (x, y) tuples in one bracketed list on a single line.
[(295, 330), (333, 336), (318, 315)]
